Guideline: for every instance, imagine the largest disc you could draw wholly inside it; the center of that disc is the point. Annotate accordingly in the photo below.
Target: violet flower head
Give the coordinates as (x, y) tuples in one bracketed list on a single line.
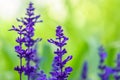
[(18, 48), (102, 54), (84, 71), (29, 23), (26, 34), (20, 40), (106, 73), (116, 70), (59, 72), (41, 76), (105, 70)]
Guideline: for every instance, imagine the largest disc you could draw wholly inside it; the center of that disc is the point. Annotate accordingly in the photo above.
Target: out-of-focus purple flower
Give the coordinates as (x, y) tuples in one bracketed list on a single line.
[(102, 54), (105, 70), (106, 73), (116, 70), (84, 71), (59, 72), (37, 74), (41, 76)]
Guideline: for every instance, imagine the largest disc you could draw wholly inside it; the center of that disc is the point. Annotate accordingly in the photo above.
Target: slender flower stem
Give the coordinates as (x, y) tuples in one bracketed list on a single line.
[(28, 68), (60, 58), (21, 67), (29, 77), (20, 59)]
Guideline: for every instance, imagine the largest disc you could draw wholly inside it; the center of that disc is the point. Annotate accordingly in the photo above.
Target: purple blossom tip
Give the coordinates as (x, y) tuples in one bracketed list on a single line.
[(68, 69), (102, 54), (84, 71)]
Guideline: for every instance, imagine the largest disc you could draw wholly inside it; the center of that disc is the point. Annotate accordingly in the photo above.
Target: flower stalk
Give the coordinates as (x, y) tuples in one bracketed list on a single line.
[(59, 72), (26, 34)]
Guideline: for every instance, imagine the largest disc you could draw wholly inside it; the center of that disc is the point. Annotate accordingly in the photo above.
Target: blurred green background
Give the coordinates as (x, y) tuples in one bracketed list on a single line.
[(87, 23)]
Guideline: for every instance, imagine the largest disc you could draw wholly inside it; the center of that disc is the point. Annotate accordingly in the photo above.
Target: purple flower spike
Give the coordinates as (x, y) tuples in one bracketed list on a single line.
[(20, 51), (105, 70), (116, 70), (84, 71), (59, 72), (25, 38), (102, 54), (29, 23), (106, 73)]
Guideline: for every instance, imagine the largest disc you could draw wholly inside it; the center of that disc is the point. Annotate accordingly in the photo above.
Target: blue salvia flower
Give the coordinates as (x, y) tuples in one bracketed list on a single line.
[(106, 71), (26, 33), (21, 52), (59, 72), (29, 23), (84, 71), (116, 70)]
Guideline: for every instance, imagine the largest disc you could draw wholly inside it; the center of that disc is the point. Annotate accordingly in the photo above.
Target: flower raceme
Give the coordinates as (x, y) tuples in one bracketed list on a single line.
[(116, 70), (25, 38), (58, 71), (105, 70), (21, 52)]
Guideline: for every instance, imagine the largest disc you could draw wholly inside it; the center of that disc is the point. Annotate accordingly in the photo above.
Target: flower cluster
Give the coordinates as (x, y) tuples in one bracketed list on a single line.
[(29, 23), (106, 71), (21, 52), (59, 72), (25, 38), (29, 52), (116, 70)]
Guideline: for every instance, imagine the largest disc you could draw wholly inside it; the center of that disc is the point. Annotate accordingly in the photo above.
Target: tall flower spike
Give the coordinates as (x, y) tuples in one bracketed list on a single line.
[(29, 23), (26, 32), (21, 52), (116, 70), (84, 71), (59, 72), (106, 71)]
